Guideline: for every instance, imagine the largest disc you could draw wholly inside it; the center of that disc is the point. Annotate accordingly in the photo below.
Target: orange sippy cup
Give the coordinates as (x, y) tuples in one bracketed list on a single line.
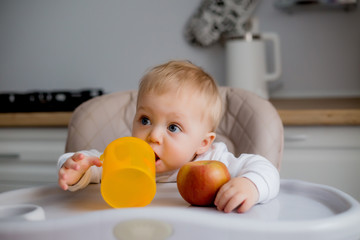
[(128, 176)]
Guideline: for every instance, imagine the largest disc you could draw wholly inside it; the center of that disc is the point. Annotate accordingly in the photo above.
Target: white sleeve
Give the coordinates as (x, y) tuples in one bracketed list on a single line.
[(254, 167), (92, 175)]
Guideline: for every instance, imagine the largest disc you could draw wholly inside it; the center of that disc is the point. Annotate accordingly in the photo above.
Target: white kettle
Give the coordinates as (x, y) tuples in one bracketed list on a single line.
[(246, 62)]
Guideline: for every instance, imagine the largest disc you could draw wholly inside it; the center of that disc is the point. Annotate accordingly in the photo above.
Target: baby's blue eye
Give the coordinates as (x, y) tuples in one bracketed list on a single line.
[(145, 121), (174, 128)]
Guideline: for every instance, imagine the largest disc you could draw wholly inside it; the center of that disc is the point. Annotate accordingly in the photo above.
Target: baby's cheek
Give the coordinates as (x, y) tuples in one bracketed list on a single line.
[(136, 133)]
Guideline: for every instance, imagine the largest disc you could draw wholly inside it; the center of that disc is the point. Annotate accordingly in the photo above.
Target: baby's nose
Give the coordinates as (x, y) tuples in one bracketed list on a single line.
[(155, 135)]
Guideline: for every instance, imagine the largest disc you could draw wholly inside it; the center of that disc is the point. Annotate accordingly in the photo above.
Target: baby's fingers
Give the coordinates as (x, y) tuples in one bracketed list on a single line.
[(95, 161), (245, 206), (223, 197), (77, 157), (63, 185), (234, 202), (71, 164), (62, 179)]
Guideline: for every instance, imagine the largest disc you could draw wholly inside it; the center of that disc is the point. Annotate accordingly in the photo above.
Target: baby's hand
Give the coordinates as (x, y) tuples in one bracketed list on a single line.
[(74, 167), (238, 192)]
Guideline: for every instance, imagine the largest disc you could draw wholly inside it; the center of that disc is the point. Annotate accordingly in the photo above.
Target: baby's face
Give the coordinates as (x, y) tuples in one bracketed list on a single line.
[(174, 128)]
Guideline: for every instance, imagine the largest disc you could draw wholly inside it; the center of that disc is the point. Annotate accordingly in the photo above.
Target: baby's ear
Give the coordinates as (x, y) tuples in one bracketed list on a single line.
[(206, 143)]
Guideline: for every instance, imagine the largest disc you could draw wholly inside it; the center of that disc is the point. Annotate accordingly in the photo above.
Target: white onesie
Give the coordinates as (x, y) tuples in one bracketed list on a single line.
[(254, 167)]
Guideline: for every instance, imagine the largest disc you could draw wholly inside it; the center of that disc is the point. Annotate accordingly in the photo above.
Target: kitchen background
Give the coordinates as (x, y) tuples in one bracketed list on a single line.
[(50, 44), (53, 45)]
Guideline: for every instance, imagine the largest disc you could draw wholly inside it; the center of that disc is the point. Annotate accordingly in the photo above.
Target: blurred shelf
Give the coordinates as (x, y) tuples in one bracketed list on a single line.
[(36, 119), (318, 111), (308, 111)]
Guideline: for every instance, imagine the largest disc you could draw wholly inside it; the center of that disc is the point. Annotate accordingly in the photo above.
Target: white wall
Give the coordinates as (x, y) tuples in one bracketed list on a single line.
[(72, 44)]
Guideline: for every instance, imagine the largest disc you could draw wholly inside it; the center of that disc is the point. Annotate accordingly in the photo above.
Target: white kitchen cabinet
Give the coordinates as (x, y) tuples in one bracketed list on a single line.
[(28, 156), (323, 154)]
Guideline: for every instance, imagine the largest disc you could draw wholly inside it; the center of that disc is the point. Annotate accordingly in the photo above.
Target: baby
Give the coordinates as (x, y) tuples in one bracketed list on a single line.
[(177, 112)]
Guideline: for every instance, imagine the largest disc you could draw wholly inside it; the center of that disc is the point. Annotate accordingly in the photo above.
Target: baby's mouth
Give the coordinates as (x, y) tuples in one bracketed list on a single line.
[(156, 157)]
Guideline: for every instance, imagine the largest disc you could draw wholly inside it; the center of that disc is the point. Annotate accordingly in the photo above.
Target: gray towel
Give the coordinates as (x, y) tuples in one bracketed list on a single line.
[(216, 18)]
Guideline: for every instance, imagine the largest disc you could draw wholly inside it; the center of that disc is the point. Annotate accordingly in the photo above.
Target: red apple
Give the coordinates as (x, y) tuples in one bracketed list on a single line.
[(198, 182)]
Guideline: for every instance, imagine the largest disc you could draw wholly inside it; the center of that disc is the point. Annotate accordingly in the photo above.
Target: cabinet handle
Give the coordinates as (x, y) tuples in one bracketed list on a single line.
[(9, 156), (296, 138)]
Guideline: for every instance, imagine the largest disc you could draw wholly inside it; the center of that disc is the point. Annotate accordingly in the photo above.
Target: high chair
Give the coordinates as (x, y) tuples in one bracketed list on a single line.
[(249, 124)]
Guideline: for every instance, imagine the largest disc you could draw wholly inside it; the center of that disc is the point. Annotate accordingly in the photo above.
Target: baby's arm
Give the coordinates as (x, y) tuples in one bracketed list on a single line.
[(72, 170), (254, 180)]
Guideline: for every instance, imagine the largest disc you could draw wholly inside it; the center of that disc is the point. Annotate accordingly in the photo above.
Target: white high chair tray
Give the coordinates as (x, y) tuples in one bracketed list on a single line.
[(301, 211)]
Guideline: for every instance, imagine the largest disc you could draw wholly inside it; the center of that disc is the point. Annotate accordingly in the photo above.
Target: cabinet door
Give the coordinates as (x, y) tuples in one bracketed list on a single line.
[(28, 157), (326, 155)]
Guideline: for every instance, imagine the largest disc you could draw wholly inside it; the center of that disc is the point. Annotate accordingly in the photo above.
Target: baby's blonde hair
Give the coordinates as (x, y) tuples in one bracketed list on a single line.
[(179, 74)]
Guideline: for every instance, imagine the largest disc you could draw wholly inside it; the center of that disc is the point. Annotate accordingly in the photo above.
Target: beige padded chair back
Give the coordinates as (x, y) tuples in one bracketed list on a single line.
[(249, 123)]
